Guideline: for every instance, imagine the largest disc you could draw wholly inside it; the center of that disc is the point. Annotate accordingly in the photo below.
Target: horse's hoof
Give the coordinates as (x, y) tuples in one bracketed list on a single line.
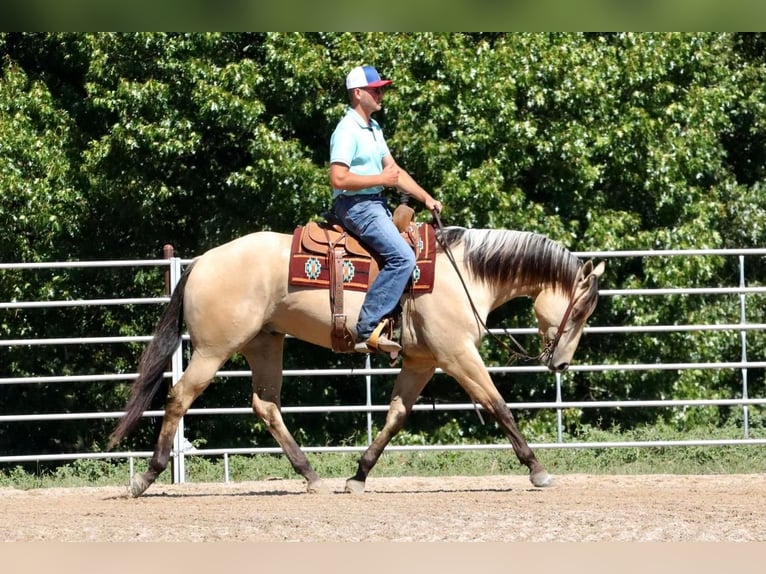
[(354, 486), (541, 479), (138, 486), (317, 487)]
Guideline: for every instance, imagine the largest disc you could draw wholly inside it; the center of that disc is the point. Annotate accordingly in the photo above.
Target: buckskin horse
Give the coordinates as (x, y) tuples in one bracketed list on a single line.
[(236, 298)]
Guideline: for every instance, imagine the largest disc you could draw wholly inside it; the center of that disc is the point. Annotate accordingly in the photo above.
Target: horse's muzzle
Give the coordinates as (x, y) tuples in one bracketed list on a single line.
[(547, 359)]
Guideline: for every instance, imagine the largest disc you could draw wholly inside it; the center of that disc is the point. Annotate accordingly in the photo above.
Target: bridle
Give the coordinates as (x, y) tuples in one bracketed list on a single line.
[(520, 353), (550, 346)]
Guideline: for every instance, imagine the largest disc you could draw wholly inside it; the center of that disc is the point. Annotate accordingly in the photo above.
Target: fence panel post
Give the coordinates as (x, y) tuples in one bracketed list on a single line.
[(178, 463), (743, 337)]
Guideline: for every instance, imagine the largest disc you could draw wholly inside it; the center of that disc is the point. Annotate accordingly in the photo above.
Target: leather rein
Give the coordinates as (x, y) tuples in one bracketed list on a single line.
[(516, 354)]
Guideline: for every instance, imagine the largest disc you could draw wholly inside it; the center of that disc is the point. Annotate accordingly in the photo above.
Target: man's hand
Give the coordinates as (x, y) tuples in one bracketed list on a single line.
[(390, 175), (434, 205)]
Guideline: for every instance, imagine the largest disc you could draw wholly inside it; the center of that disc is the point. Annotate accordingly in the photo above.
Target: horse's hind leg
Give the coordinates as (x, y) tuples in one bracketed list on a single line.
[(195, 379), (264, 355), (410, 382)]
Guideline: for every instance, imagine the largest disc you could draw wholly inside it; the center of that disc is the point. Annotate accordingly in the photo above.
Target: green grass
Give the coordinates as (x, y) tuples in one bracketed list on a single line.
[(739, 459)]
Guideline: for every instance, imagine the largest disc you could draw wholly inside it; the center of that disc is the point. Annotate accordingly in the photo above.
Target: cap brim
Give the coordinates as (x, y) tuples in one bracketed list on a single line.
[(379, 84)]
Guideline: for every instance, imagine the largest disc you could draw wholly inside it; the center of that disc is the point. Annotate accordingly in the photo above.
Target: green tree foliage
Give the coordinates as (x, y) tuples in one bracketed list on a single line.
[(113, 145)]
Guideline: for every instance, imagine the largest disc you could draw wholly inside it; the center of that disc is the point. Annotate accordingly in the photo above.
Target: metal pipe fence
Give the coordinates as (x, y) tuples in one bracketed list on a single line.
[(182, 448)]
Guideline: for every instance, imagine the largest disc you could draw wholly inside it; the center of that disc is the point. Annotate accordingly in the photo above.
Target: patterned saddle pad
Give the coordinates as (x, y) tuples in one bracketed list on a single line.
[(310, 265)]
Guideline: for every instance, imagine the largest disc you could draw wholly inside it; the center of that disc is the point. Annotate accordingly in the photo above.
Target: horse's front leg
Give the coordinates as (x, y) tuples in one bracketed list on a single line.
[(409, 384), (469, 371), (264, 355)]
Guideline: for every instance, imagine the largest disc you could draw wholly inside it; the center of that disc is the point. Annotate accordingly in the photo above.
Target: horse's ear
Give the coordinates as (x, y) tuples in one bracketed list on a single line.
[(588, 275), (587, 269), (599, 270)]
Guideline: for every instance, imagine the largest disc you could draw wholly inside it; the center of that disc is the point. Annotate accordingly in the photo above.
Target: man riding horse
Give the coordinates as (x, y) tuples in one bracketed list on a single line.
[(361, 167)]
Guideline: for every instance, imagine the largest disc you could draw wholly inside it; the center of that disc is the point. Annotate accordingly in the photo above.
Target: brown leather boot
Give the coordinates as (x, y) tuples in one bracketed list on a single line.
[(383, 344), (378, 342)]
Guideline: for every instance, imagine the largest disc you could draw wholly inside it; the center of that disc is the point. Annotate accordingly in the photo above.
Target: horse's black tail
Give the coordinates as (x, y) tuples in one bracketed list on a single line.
[(153, 362)]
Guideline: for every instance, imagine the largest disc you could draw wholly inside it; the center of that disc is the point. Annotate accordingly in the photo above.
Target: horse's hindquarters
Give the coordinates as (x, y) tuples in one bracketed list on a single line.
[(234, 289)]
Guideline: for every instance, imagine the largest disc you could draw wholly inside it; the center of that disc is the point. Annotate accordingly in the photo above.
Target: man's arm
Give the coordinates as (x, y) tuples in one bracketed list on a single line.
[(342, 178), (406, 184)]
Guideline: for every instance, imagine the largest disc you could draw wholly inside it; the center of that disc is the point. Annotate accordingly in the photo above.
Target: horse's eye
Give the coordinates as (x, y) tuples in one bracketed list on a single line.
[(578, 314)]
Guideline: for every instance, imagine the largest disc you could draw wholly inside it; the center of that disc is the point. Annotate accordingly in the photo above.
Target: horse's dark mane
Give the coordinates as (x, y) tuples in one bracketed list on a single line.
[(497, 255)]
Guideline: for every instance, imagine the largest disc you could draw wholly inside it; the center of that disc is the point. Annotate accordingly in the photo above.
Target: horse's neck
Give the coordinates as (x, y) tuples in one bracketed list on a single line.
[(503, 293)]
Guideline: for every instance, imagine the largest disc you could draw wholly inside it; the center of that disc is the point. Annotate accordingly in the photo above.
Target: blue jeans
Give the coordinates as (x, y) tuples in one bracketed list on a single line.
[(369, 219)]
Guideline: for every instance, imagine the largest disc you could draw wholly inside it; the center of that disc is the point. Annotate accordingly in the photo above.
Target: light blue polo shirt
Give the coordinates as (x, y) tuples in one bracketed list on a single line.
[(360, 147)]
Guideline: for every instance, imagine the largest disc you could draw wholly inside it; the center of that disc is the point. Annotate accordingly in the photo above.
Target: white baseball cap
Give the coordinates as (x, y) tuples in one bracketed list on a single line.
[(365, 77)]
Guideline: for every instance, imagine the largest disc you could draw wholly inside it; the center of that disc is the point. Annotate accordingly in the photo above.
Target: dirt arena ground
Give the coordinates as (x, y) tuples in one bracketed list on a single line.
[(455, 509)]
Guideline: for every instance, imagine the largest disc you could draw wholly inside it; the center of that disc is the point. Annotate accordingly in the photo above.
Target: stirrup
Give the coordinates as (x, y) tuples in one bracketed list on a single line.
[(378, 342)]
